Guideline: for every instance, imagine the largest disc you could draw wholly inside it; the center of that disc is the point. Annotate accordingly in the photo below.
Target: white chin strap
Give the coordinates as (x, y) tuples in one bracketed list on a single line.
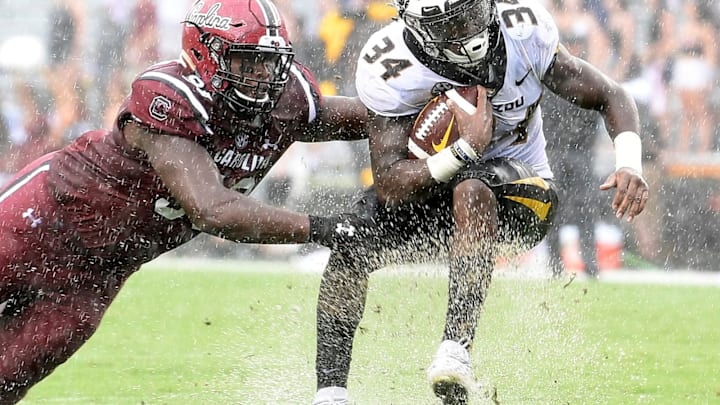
[(474, 49)]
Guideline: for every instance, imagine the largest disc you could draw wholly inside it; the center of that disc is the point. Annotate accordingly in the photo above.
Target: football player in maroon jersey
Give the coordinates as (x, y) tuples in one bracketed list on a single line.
[(191, 140)]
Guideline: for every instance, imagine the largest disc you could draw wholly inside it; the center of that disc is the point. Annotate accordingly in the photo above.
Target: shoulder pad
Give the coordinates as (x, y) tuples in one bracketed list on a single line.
[(389, 80), (168, 103), (530, 27)]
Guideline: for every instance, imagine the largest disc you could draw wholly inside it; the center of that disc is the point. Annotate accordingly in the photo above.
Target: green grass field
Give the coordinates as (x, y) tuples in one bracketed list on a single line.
[(224, 337)]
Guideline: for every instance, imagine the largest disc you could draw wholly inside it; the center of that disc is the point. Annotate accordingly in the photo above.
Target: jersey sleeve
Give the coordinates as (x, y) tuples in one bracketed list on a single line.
[(377, 96), (166, 104), (529, 23), (404, 94)]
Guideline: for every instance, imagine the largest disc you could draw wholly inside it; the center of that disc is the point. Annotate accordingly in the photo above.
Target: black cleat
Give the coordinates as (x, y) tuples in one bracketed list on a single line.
[(451, 393)]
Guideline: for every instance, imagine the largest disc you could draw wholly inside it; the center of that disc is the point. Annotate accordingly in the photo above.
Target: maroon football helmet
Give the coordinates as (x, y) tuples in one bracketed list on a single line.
[(241, 51)]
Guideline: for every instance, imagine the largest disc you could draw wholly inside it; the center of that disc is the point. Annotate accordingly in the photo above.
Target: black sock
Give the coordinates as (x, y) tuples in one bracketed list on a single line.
[(468, 284), (334, 351), (341, 303)]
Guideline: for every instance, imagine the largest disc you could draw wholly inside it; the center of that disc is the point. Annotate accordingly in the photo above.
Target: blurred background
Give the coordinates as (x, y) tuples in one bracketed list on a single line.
[(66, 65)]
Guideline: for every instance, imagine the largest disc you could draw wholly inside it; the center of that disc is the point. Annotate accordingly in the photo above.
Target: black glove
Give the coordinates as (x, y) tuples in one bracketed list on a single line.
[(340, 230)]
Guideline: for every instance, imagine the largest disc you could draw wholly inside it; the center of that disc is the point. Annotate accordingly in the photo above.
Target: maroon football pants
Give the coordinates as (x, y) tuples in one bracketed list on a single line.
[(51, 301)]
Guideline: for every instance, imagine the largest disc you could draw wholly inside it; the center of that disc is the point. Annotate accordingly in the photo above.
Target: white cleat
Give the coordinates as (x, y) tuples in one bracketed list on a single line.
[(331, 396), (450, 373)]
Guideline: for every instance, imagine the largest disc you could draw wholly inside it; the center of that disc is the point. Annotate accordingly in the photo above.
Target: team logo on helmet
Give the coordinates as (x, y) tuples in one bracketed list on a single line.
[(211, 19), (159, 108), (250, 34)]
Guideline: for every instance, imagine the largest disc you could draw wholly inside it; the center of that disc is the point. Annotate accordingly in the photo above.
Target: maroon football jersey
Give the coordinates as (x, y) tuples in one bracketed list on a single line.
[(113, 199)]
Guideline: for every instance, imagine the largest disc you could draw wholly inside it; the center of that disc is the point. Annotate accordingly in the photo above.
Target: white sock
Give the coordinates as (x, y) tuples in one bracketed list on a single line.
[(331, 395)]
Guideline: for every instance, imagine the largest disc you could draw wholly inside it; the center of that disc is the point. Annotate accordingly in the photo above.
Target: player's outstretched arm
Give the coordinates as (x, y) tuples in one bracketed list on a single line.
[(586, 86), (194, 181), (581, 83), (340, 118)]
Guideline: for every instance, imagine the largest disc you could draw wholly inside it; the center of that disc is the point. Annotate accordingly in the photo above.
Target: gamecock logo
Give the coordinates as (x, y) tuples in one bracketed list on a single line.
[(159, 108)]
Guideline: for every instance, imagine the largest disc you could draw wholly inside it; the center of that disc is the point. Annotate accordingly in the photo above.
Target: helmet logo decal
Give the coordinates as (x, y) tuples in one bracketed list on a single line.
[(431, 10), (400, 5), (274, 41), (249, 33), (211, 19), (159, 108)]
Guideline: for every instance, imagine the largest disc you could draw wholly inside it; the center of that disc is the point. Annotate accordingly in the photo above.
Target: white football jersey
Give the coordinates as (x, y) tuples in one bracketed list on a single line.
[(392, 82)]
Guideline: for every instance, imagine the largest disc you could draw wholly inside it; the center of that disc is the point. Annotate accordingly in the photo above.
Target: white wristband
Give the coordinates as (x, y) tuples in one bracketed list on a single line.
[(628, 151), (446, 163)]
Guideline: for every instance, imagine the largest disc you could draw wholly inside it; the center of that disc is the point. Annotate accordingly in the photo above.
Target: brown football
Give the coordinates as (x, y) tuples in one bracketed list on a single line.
[(435, 127)]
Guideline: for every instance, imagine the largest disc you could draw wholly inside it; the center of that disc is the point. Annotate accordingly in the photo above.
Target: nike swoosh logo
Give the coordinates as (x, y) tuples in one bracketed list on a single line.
[(522, 79), (443, 142), (541, 209)]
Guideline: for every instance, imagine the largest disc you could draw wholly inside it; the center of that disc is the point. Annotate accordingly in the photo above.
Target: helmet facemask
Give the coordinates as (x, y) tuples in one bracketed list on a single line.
[(250, 78), (460, 35)]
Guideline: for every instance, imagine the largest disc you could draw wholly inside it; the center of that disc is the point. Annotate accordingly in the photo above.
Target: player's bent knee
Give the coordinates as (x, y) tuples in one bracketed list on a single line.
[(527, 212), (474, 197)]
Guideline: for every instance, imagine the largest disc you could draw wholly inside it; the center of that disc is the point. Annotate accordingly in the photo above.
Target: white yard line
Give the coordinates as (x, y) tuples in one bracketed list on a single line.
[(315, 264), (673, 277)]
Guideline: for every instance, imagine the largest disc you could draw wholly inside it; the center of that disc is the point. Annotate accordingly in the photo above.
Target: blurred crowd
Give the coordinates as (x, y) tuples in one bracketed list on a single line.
[(67, 70), (67, 66)]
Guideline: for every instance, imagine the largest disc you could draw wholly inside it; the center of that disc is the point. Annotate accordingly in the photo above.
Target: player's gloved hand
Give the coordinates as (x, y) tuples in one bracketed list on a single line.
[(339, 230)]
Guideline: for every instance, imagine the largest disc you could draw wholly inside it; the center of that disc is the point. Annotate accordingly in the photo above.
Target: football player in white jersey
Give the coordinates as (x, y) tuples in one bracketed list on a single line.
[(491, 188)]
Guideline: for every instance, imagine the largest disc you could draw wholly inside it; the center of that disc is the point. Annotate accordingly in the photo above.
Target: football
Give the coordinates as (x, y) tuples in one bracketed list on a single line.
[(434, 127)]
